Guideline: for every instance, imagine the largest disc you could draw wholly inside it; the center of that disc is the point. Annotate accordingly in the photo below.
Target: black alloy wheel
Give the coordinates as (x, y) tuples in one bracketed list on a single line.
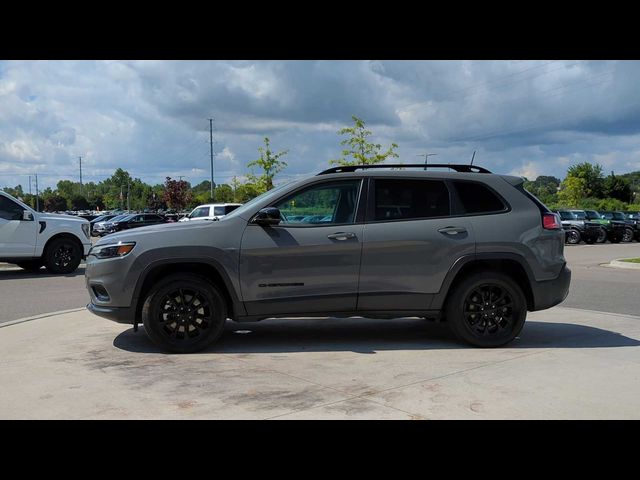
[(184, 313), (486, 309), (627, 236), (602, 235), (63, 256)]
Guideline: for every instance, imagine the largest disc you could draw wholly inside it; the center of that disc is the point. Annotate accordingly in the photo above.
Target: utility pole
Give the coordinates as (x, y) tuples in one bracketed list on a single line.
[(80, 158), (426, 158), (37, 196), (120, 196), (29, 185), (213, 185), (128, 196)]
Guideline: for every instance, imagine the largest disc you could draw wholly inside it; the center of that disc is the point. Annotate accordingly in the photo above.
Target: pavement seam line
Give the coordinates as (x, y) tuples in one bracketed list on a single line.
[(38, 317)]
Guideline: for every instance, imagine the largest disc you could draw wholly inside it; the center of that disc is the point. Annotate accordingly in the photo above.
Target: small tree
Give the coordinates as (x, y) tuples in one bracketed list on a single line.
[(572, 191), (359, 148), (270, 164), (592, 176), (177, 193)]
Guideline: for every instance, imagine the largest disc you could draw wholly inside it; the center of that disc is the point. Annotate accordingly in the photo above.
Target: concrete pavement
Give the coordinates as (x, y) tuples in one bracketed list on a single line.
[(568, 363)]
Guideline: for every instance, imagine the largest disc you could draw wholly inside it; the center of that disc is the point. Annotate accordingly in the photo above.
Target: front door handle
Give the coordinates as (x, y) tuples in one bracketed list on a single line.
[(452, 230), (341, 236)]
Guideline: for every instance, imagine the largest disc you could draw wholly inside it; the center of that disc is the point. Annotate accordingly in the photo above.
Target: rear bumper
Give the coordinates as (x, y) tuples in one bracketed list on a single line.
[(551, 292), (116, 314)]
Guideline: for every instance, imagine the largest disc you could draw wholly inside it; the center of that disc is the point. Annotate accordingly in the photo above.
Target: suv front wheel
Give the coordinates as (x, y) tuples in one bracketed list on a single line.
[(184, 313), (486, 309)]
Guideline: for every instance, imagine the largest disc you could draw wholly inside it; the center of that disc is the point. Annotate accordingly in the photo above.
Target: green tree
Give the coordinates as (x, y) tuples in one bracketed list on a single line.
[(359, 151), (572, 191), (270, 164), (55, 203), (616, 187), (592, 176)]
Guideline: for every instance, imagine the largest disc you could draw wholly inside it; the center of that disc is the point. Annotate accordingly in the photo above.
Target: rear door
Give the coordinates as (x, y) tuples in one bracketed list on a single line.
[(411, 240), (305, 267)]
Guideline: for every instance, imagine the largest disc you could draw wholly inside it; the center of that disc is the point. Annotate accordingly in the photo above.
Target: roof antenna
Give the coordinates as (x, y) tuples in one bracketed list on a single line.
[(474, 156)]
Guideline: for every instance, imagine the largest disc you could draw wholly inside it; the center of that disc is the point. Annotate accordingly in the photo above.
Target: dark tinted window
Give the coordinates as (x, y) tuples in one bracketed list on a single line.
[(404, 199), (10, 210), (477, 198), (230, 208), (566, 216)]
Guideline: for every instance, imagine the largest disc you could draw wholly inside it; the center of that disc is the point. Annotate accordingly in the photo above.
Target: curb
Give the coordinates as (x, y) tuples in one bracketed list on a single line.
[(37, 317), (627, 265)]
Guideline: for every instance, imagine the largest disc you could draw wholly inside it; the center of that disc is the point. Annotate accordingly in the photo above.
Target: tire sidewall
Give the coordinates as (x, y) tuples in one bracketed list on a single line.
[(629, 233), (152, 308), (53, 246), (455, 306), (574, 237)]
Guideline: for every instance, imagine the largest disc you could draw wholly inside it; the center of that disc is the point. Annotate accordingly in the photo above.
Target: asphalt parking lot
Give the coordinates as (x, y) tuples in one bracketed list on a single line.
[(567, 363)]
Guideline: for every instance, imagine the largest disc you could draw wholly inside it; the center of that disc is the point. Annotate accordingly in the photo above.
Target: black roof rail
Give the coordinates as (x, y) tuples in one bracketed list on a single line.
[(453, 166)]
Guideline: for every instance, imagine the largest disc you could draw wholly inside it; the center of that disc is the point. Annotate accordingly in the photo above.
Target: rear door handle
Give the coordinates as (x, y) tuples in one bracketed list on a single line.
[(341, 236), (452, 230)]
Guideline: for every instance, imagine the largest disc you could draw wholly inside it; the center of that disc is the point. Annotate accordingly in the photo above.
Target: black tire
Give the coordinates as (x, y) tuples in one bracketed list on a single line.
[(628, 235), (615, 239), (602, 235), (501, 326), (30, 265), (62, 255), (573, 237), (163, 320)]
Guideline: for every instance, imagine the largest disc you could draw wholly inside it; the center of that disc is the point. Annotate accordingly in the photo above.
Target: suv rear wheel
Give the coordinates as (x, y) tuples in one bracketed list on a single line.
[(602, 236), (184, 313), (486, 309), (628, 235)]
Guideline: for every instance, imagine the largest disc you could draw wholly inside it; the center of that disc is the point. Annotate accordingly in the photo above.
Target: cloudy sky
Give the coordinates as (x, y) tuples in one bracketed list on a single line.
[(151, 117)]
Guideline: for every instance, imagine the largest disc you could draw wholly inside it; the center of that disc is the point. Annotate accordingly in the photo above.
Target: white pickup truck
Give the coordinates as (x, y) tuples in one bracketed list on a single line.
[(32, 239)]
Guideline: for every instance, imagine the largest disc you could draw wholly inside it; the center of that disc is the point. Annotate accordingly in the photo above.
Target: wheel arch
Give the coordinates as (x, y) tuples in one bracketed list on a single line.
[(510, 264), (209, 269), (68, 235)]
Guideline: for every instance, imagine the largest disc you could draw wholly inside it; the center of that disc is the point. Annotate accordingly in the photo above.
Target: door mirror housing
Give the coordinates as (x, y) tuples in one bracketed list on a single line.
[(267, 216), (27, 216)]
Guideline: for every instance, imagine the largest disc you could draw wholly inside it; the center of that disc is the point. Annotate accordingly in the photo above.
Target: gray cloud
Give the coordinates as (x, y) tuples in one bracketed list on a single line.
[(150, 117)]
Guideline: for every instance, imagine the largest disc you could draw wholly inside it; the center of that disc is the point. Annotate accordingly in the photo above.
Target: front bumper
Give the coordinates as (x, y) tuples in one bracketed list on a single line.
[(117, 314), (549, 293)]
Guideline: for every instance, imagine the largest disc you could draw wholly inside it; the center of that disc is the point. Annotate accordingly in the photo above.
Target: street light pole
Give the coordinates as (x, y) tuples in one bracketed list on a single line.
[(426, 158)]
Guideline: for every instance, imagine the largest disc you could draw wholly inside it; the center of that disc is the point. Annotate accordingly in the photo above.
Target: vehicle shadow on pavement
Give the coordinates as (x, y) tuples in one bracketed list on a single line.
[(367, 336), (42, 273)]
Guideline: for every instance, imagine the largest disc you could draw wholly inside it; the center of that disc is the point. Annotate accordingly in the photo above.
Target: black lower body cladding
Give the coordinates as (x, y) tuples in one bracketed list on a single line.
[(549, 293)]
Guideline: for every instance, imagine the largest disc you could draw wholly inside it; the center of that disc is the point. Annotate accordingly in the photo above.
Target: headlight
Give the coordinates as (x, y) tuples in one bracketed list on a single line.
[(112, 251), (86, 229)]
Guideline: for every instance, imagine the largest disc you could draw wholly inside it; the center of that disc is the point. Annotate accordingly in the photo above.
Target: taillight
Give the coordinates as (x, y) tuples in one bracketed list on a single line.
[(550, 221)]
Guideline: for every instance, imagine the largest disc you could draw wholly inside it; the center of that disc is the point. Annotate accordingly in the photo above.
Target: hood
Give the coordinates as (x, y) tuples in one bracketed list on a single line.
[(169, 229), (57, 216)]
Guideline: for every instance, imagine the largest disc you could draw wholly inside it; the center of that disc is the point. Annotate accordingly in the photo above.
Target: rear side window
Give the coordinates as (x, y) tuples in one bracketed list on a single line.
[(230, 208), (401, 199), (218, 210), (477, 198)]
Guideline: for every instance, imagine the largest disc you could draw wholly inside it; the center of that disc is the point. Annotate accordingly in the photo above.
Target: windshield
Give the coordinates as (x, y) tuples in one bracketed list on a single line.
[(619, 216), (274, 192), (580, 215), (592, 215), (607, 215)]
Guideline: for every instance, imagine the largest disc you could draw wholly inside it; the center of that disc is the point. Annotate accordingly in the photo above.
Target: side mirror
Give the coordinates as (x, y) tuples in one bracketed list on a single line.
[(267, 216), (27, 216)]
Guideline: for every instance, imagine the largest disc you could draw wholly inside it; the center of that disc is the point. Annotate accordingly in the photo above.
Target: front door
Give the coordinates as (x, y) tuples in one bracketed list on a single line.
[(17, 236), (310, 261)]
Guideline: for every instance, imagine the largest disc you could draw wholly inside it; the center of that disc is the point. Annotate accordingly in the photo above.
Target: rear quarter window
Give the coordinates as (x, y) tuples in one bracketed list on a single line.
[(477, 198)]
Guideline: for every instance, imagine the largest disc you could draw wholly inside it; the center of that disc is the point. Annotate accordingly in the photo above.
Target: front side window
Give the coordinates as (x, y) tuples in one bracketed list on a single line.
[(10, 210), (325, 204), (200, 212), (403, 199)]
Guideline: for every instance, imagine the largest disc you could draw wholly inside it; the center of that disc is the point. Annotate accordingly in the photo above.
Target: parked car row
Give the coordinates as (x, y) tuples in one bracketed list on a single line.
[(592, 226)]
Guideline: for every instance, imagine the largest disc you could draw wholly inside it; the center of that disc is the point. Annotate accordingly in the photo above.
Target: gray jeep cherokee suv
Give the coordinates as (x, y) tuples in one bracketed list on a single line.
[(465, 246)]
